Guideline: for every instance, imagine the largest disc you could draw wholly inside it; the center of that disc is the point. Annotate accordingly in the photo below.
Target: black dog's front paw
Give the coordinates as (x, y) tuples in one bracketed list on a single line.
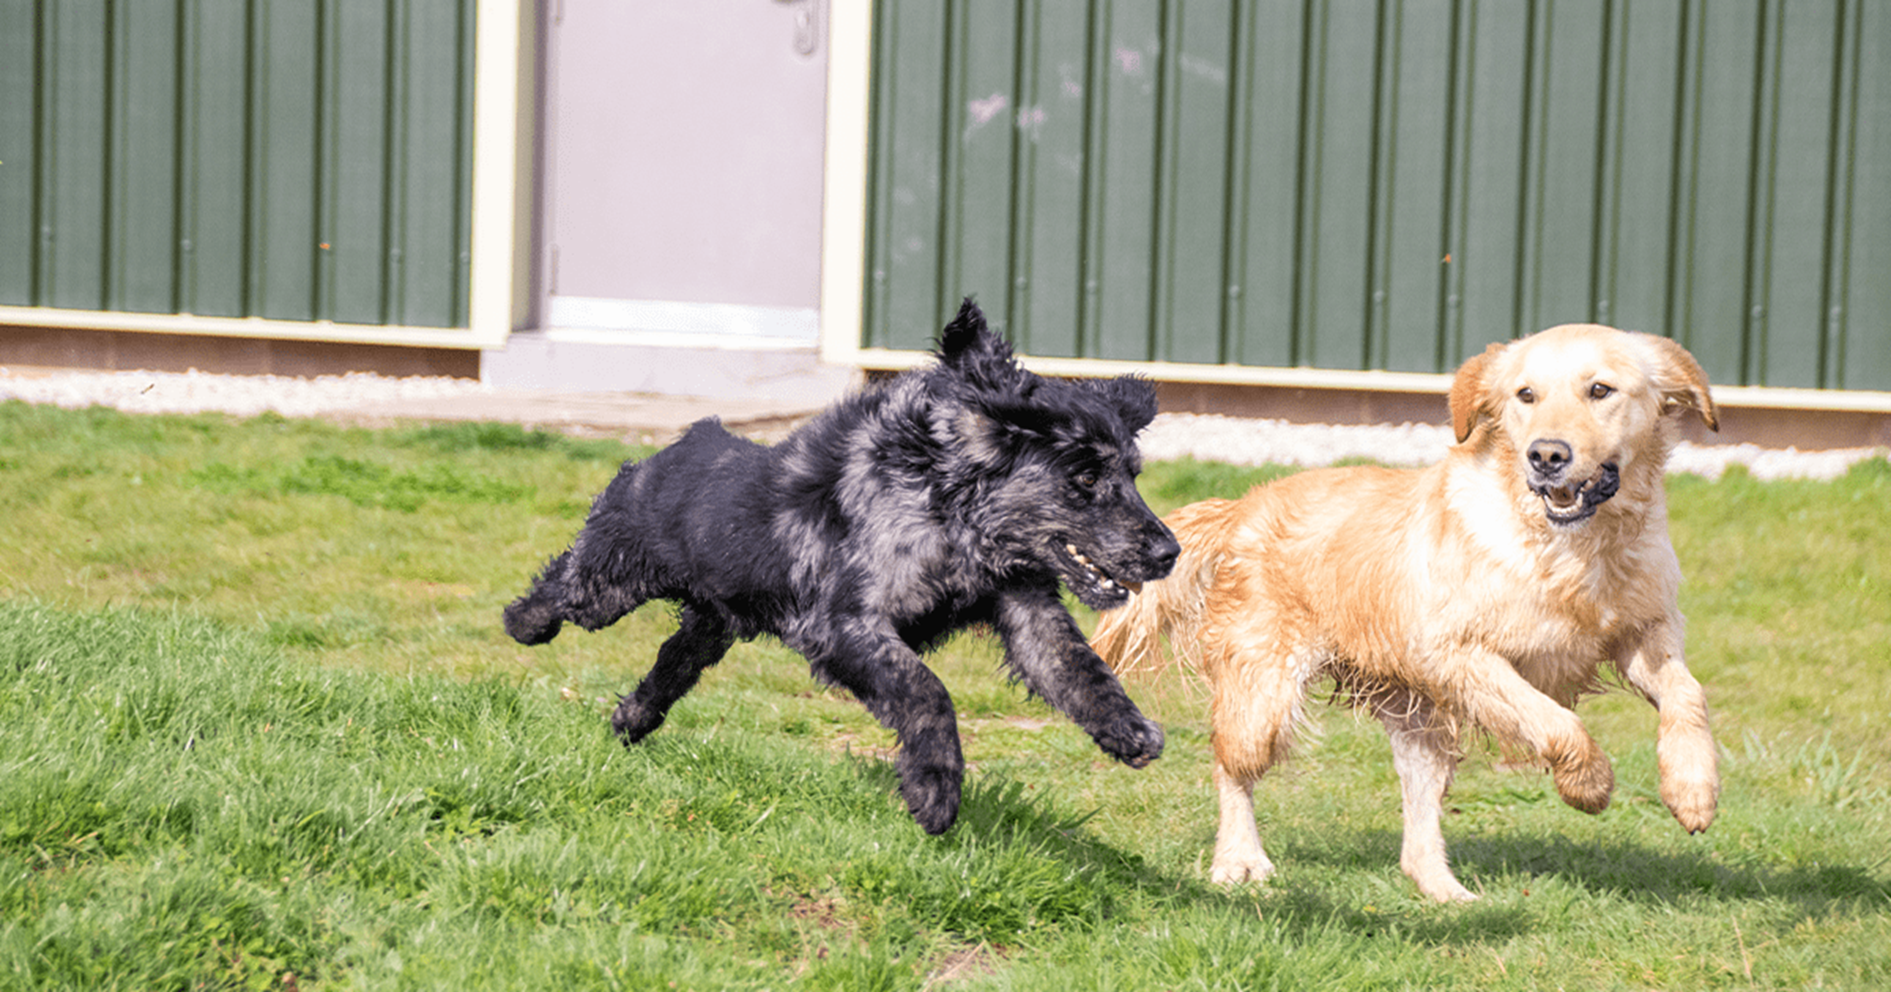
[(1133, 739), (932, 772), (633, 721), (932, 797)]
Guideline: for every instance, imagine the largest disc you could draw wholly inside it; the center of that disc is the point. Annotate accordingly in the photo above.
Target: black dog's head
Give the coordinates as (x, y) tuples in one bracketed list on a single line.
[(1049, 467)]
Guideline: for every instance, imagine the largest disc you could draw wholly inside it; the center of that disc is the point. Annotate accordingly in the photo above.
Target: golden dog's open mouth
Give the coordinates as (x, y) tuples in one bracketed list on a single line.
[(1568, 503)]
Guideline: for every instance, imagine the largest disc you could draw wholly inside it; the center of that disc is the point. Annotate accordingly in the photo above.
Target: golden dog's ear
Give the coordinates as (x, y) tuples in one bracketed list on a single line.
[(1680, 380), (1467, 391)]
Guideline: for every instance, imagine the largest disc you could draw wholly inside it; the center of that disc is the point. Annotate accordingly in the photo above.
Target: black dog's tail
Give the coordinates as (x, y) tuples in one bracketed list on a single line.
[(535, 617)]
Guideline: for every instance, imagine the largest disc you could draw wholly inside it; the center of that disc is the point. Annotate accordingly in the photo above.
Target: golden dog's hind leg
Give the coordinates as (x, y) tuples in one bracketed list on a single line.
[(1425, 756), (1685, 755), (1238, 854), (1258, 699)]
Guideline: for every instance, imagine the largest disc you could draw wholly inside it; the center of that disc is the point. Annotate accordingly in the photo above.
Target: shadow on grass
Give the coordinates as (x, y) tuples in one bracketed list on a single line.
[(1623, 871), (1626, 871), (1643, 874)]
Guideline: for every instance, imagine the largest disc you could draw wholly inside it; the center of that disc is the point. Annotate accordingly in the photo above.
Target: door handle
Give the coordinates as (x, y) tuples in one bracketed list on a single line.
[(807, 25)]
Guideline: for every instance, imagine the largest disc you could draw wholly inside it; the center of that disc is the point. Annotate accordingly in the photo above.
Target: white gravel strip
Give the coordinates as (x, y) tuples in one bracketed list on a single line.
[(243, 395), (1245, 441), (1242, 441), (1208, 437)]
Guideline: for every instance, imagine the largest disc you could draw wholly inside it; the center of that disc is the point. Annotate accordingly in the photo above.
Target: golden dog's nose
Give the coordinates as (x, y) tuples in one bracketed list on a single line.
[(1548, 458)]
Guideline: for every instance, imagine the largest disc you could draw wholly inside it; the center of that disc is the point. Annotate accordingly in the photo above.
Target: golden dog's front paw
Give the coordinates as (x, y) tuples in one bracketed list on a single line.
[(1693, 803), (1443, 888), (1585, 779), (1690, 779), (1231, 871)]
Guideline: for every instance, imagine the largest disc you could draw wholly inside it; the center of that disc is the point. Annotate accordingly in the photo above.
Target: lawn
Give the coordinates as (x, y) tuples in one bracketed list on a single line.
[(260, 728)]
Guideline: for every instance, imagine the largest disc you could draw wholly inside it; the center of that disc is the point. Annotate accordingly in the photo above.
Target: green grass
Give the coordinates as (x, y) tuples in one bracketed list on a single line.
[(258, 719)]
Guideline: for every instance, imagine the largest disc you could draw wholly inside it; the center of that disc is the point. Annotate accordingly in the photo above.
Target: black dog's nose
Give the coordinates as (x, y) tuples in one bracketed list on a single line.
[(1163, 551), (1549, 458)]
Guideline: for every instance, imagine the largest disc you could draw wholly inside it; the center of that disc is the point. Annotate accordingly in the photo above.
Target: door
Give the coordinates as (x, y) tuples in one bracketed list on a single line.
[(683, 161)]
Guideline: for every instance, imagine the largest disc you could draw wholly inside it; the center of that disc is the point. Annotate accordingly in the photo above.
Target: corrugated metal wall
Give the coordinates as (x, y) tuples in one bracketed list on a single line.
[(296, 159), (1388, 184)]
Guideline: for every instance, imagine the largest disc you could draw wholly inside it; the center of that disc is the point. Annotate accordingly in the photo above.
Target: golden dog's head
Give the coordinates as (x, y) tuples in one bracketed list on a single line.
[(1579, 405)]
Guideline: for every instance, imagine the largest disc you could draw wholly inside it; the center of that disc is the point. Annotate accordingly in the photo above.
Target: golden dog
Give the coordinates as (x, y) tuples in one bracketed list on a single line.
[(1486, 590)]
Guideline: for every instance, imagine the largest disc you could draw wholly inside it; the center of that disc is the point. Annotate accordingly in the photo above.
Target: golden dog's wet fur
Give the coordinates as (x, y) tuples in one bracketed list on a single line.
[(1487, 590)]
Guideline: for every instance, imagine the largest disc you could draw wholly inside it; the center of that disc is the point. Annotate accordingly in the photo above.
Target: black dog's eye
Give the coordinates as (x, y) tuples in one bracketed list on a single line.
[(1526, 395), (1600, 390), (1087, 480)]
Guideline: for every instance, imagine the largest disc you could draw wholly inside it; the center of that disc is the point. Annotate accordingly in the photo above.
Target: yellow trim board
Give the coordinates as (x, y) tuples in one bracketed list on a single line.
[(844, 194), (1858, 400), (247, 327)]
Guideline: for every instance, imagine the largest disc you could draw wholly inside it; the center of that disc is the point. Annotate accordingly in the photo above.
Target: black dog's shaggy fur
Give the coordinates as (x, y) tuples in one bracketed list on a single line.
[(953, 495)]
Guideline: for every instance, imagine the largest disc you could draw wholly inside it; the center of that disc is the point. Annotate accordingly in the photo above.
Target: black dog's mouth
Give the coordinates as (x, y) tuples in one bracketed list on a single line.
[(1566, 503), (1101, 585)]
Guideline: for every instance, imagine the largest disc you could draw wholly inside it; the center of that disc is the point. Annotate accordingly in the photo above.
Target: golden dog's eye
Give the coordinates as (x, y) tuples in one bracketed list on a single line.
[(1600, 390), (1526, 395)]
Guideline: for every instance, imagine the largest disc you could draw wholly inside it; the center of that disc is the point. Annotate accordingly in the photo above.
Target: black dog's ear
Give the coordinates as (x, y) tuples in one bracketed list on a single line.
[(968, 346), (1133, 395), (965, 333)]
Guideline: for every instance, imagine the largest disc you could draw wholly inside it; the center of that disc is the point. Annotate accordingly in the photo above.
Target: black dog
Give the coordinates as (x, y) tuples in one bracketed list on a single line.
[(954, 495)]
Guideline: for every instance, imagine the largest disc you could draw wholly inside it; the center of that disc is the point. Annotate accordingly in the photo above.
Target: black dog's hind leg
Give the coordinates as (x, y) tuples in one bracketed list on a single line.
[(907, 698), (701, 641), (1048, 652)]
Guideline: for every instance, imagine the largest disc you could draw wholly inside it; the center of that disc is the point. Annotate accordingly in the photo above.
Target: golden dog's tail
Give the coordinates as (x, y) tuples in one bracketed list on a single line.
[(1129, 638)]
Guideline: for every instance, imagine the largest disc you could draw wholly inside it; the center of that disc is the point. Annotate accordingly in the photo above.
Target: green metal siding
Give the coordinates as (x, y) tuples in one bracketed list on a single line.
[(270, 158), (1388, 184)]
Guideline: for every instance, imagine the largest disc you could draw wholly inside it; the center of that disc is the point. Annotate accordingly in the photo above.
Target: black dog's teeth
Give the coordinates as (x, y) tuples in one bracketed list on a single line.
[(1096, 573)]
